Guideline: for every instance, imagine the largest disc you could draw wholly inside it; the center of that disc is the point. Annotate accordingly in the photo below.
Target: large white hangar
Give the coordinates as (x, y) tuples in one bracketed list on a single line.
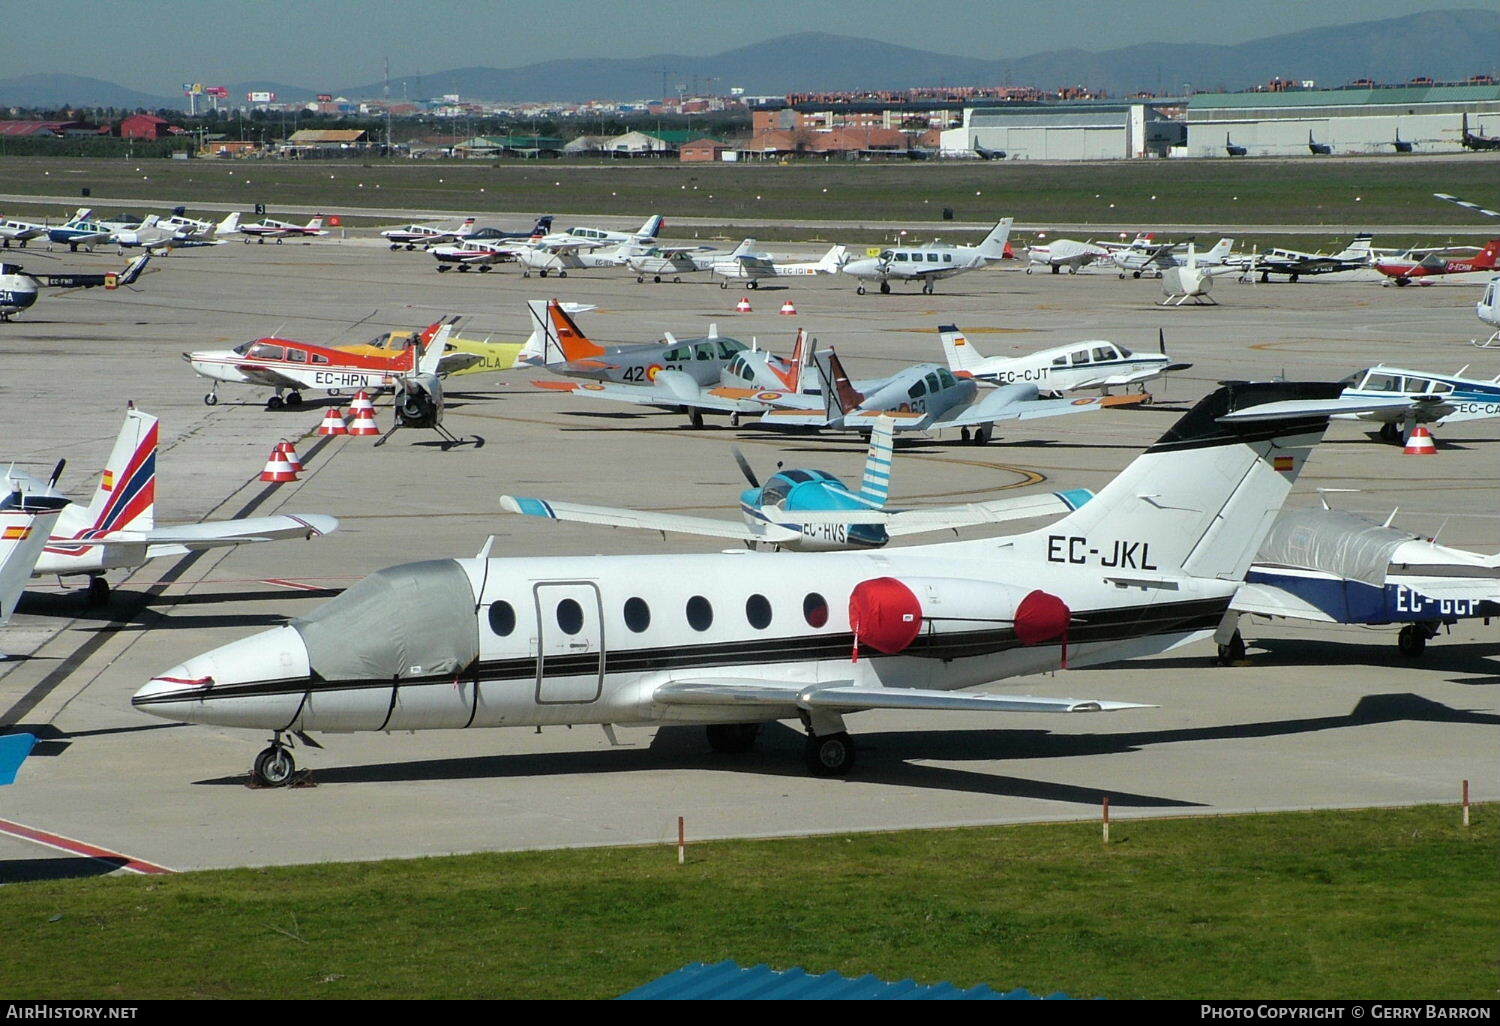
[(1299, 122), (1065, 131)]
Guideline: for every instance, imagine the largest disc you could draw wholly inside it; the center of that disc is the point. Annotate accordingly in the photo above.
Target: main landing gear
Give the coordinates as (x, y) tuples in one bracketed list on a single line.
[(98, 592), (831, 755), (1412, 640), (273, 767), (1231, 652), (292, 401)]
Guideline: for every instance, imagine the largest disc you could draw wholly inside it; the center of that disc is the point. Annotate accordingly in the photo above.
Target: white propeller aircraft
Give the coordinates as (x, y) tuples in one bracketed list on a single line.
[(279, 231), (675, 261), (735, 640), (118, 528), (753, 268), (1096, 364), (1488, 311), (811, 510), (410, 236), (1066, 254), (19, 232), (929, 262)]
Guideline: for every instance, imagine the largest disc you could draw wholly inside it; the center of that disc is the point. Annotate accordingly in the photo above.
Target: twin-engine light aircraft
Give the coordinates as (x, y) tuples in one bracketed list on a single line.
[(280, 231), (735, 640), (1098, 364), (1065, 254), (82, 230), (410, 236), (1331, 566), (929, 262), (1431, 398), (811, 510), (117, 530), (484, 247), (286, 366), (1293, 264), (752, 268), (924, 398), (1150, 260), (19, 288)]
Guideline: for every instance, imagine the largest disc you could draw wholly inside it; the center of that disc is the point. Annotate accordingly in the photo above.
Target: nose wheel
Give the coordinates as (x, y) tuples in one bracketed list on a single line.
[(273, 767)]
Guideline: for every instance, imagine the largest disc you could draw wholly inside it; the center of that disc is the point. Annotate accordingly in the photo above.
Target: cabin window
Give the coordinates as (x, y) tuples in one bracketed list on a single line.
[(933, 384), (901, 257), (502, 619), (569, 616), (319, 358), (296, 355), (775, 491), (932, 258), (815, 609), (758, 612), (700, 613), (1381, 383), (637, 614), (918, 390), (947, 258), (1080, 356), (1440, 388), (1060, 361), (728, 347), (1103, 354), (677, 355), (945, 378), (265, 351)]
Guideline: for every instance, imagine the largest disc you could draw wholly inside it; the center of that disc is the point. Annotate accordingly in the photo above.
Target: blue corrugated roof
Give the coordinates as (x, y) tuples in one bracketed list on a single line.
[(726, 981)]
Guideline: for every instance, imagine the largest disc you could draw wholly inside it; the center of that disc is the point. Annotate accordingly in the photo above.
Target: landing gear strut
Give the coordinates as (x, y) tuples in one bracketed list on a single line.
[(1232, 651), (274, 766)]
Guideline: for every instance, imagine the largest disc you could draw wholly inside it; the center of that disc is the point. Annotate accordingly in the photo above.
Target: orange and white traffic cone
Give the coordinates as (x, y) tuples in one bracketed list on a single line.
[(1420, 443), (743, 306), (290, 452), (364, 421), (278, 470), (362, 401), (333, 423), (788, 309)]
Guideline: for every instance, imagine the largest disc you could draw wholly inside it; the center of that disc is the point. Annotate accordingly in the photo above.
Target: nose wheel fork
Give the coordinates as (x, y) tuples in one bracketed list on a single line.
[(273, 767)]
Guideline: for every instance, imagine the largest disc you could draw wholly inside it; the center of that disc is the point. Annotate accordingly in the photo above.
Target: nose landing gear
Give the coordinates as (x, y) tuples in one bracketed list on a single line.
[(273, 767)]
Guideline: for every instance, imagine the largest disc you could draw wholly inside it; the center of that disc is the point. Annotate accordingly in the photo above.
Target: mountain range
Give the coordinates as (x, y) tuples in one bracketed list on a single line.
[(1445, 45)]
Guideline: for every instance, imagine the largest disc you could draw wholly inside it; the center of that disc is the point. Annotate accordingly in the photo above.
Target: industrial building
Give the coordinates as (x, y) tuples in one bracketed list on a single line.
[(1300, 122), (1065, 131)]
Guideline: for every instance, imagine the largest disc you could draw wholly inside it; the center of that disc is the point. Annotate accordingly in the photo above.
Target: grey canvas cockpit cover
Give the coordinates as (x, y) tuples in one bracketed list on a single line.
[(1334, 542), (413, 620)]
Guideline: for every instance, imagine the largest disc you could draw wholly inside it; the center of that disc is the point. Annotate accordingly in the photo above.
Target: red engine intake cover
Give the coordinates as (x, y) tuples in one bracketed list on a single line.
[(1040, 617), (884, 615)]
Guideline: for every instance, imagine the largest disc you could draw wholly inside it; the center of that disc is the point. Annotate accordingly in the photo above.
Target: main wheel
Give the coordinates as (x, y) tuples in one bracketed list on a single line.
[(927, 288), (859, 291), (1057, 269), (562, 274), (294, 398), (885, 288), (640, 279), (1412, 640), (274, 403), (1233, 651), (211, 399), (722, 284), (1390, 432), (442, 268), (732, 738), (831, 755), (484, 268), (98, 592), (273, 767), (656, 279), (695, 418), (755, 285)]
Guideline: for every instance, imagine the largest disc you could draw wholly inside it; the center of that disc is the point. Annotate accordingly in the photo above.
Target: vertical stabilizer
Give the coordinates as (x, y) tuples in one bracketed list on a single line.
[(993, 246), (125, 498), (961, 355)]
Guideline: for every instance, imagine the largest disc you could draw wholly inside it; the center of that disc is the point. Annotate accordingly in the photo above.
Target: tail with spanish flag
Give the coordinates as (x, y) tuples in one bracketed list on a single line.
[(125, 499), (26, 522)]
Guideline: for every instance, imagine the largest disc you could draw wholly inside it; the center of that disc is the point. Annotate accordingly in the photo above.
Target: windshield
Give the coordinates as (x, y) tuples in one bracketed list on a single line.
[(414, 620)]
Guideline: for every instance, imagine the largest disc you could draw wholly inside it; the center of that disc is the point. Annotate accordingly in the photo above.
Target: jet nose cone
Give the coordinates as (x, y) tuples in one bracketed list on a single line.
[(250, 682)]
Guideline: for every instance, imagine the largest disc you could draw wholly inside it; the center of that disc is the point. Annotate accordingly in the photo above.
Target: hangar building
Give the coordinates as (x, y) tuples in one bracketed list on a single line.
[(1365, 120), (1065, 131)]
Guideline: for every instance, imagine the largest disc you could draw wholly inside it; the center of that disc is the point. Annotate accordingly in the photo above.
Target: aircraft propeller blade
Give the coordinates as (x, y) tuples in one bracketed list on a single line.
[(56, 473), (1161, 340), (739, 458)]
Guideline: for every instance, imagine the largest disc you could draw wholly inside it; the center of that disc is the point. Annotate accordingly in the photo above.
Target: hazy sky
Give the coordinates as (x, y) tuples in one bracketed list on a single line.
[(155, 45)]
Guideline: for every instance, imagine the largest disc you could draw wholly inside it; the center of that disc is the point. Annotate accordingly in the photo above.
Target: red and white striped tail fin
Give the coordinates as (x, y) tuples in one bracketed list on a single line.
[(125, 498)]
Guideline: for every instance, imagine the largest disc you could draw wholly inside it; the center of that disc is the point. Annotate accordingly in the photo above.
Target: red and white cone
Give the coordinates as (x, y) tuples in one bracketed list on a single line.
[(362, 401), (1420, 443), (743, 306), (364, 421), (788, 309), (290, 452), (333, 423), (278, 470)]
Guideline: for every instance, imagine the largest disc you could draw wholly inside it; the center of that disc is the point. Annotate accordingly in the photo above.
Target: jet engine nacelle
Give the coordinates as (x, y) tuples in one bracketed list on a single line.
[(419, 401), (888, 614)]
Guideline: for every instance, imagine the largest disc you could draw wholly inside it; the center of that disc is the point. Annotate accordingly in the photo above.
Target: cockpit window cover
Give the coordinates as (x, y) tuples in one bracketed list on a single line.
[(413, 620), (1332, 541)]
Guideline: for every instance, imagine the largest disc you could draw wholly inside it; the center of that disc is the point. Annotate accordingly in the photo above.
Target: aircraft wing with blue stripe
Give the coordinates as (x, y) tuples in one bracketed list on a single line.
[(943, 518), (666, 523)]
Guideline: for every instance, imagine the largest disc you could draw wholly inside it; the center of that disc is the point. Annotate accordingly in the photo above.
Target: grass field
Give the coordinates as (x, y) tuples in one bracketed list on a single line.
[(1346, 191), (1376, 903)]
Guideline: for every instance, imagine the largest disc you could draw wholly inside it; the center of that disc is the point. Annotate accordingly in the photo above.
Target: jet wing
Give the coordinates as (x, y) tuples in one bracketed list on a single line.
[(847, 697), (1323, 408), (1003, 404), (667, 523)]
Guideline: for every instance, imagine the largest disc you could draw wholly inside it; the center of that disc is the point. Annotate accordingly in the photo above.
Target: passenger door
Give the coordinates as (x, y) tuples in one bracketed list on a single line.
[(570, 642)]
